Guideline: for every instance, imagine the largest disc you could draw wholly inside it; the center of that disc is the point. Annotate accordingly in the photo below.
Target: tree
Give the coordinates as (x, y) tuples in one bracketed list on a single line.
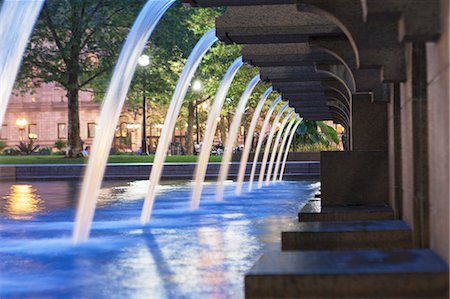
[(76, 43), (170, 45)]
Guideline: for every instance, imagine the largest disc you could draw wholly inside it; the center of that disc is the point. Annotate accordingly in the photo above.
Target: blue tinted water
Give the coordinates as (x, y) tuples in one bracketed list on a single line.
[(180, 254)]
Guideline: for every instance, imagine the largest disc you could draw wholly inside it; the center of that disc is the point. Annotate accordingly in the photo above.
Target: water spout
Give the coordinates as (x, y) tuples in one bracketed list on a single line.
[(111, 108), (260, 141), (234, 128), (249, 137), (269, 142), (199, 51), (288, 146), (283, 143), (277, 149), (17, 20), (210, 131)]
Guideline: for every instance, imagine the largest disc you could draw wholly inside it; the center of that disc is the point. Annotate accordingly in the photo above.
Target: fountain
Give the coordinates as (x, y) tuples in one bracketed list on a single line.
[(249, 138), (203, 45), (124, 259), (269, 142), (111, 108), (226, 158), (210, 131), (260, 142), (283, 143), (17, 20), (276, 143), (286, 153)]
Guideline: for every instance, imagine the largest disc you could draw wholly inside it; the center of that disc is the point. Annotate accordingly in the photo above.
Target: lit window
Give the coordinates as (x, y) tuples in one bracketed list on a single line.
[(62, 131), (32, 129), (4, 132), (91, 130)]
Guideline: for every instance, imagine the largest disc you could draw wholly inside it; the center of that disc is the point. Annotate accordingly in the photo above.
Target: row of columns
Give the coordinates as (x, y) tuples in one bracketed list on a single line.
[(373, 66)]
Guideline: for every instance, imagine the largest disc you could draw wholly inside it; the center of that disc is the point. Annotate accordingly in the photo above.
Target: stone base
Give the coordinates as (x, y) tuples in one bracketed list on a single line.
[(412, 273), (313, 211), (385, 234), (354, 178)]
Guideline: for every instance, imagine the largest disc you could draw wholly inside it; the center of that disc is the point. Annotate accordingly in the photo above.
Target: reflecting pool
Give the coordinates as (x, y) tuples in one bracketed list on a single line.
[(180, 254)]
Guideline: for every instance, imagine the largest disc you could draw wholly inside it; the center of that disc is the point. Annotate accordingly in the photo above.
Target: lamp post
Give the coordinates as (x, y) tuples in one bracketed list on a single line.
[(144, 60), (21, 123)]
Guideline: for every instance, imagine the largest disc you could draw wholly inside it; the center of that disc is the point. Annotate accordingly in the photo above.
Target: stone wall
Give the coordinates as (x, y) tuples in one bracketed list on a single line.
[(438, 136)]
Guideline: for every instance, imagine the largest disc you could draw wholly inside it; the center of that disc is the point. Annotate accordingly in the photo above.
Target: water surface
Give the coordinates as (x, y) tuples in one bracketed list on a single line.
[(180, 254)]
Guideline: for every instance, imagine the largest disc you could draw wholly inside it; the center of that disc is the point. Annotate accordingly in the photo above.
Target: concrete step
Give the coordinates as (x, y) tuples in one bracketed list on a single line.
[(335, 235), (313, 211), (410, 273)]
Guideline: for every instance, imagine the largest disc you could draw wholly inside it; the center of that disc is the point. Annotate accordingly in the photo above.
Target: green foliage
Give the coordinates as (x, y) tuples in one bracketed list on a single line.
[(310, 132), (45, 151), (315, 147), (10, 152), (315, 136), (60, 144), (36, 159), (2, 145), (27, 148), (328, 132), (77, 39)]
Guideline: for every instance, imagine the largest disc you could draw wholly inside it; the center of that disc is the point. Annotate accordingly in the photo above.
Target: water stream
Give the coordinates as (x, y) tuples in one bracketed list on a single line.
[(210, 131), (232, 135), (260, 141), (111, 108), (199, 51), (249, 138), (283, 143), (262, 170), (286, 153), (291, 116), (17, 19)]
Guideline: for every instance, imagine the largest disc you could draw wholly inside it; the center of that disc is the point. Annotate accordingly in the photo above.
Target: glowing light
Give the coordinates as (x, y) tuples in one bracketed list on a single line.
[(144, 60), (32, 136), (21, 123), (197, 85), (22, 201), (133, 126)]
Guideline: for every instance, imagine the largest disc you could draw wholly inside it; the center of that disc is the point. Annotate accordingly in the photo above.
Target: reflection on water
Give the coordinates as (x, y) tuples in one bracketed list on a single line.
[(22, 201), (180, 254)]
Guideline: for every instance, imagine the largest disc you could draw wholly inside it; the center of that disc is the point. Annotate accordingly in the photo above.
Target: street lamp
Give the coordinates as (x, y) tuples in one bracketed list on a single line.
[(197, 86), (21, 123), (32, 136), (144, 60)]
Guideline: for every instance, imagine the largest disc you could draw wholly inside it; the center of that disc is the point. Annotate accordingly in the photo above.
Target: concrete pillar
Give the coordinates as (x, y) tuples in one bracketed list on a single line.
[(354, 178), (394, 152), (420, 145), (438, 136), (369, 122)]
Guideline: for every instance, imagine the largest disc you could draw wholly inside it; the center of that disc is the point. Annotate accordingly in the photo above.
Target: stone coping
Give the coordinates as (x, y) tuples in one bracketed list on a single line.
[(172, 171)]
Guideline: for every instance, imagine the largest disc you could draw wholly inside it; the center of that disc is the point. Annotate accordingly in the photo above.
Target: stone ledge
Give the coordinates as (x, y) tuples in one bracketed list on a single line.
[(313, 211), (410, 273), (337, 235)]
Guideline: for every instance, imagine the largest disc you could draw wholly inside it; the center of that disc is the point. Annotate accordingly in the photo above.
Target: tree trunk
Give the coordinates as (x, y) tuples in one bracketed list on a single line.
[(73, 134), (190, 128), (223, 129)]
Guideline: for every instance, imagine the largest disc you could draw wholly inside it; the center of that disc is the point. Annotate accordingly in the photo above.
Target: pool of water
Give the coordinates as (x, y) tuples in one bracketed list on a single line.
[(180, 254)]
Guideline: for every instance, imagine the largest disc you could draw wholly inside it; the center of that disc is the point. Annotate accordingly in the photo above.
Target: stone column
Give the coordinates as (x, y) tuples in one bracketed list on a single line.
[(359, 176), (394, 152)]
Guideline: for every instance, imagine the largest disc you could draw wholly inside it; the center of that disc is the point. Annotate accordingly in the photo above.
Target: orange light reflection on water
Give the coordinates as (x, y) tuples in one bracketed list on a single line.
[(22, 202)]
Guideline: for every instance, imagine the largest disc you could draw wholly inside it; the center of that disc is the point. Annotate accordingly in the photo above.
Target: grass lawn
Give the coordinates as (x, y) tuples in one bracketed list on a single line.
[(112, 159)]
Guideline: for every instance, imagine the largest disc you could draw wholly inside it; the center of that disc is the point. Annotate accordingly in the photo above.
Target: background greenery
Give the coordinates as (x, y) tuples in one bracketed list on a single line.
[(76, 44)]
